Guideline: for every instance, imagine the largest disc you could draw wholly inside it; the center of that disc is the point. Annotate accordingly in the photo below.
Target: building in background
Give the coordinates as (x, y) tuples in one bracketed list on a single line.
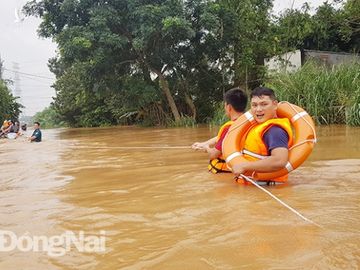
[(292, 61)]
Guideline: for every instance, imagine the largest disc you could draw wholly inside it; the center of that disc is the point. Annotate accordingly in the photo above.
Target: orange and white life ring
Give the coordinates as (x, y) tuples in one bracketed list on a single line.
[(305, 138)]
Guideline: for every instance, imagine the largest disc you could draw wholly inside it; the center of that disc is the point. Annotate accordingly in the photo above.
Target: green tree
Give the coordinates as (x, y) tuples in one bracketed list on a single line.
[(291, 29), (329, 29), (245, 28), (187, 53), (49, 118), (9, 107), (350, 26), (227, 50), (113, 38), (326, 25)]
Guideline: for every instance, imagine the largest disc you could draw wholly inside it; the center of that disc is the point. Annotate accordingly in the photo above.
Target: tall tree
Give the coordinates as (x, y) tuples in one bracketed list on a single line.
[(113, 38), (329, 29), (245, 30), (9, 107), (350, 27)]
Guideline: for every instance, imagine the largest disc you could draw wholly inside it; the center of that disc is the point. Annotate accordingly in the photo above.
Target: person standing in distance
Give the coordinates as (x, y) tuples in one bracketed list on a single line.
[(36, 136)]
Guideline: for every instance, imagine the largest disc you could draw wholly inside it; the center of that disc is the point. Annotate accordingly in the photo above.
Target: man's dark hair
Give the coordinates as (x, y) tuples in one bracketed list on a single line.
[(237, 98), (263, 91), (37, 123)]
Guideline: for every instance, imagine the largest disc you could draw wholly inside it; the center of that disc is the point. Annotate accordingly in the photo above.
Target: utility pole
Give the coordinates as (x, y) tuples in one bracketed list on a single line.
[(17, 87)]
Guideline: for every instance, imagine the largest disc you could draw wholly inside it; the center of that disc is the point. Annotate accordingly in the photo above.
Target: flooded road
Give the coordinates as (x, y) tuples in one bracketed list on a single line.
[(160, 209)]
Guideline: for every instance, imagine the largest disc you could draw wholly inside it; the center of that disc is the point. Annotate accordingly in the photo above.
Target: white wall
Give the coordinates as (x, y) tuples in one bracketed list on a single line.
[(290, 62)]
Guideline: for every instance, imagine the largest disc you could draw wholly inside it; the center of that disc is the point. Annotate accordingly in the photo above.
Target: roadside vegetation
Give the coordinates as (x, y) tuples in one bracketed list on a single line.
[(10, 109), (169, 62), (329, 95)]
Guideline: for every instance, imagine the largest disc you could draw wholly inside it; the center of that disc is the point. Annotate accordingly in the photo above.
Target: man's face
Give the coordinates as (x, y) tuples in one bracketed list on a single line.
[(263, 108), (36, 126)]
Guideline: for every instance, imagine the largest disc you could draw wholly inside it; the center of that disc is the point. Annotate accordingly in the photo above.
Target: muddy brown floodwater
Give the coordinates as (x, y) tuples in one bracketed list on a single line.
[(161, 209)]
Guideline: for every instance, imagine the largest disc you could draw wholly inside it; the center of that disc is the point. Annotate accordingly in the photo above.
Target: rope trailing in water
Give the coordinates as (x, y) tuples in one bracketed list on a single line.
[(280, 201), (134, 147)]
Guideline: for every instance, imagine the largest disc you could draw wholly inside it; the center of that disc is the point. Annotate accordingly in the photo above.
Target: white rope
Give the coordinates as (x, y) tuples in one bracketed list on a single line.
[(278, 200), (134, 147)]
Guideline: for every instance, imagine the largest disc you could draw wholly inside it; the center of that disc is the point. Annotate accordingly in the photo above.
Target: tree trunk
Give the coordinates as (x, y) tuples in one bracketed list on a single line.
[(188, 99), (191, 105), (164, 85)]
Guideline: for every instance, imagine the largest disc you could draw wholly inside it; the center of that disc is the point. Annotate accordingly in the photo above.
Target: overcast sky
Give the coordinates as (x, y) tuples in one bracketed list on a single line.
[(20, 44)]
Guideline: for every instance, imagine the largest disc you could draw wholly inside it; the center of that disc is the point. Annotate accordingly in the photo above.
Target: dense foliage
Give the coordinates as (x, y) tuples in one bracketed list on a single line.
[(331, 96), (161, 62), (48, 118), (9, 107)]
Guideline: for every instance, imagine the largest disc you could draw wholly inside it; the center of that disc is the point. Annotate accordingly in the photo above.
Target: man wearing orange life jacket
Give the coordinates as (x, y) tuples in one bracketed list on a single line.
[(5, 128), (235, 103), (267, 143)]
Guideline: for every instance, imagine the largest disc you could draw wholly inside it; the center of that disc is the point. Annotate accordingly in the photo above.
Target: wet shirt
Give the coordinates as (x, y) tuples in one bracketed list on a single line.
[(218, 144), (37, 135), (276, 137)]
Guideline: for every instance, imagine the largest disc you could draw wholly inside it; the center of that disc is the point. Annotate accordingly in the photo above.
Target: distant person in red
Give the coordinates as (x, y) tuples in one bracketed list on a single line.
[(235, 103)]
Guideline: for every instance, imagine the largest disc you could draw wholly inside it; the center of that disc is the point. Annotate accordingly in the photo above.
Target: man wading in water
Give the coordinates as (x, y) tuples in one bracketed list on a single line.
[(36, 136), (235, 103)]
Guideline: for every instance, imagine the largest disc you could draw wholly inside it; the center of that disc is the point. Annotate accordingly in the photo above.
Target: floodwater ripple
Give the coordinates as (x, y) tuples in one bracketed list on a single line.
[(161, 209)]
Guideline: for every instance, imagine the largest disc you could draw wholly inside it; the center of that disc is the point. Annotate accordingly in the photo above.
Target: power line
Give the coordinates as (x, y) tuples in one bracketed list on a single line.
[(28, 74), (33, 85), (27, 77)]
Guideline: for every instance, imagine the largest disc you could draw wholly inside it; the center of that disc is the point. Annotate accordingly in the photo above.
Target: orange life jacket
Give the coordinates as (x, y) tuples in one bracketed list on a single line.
[(255, 148), (218, 165)]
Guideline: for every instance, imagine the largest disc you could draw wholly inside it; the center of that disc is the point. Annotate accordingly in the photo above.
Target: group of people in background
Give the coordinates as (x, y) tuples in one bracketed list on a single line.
[(11, 129)]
